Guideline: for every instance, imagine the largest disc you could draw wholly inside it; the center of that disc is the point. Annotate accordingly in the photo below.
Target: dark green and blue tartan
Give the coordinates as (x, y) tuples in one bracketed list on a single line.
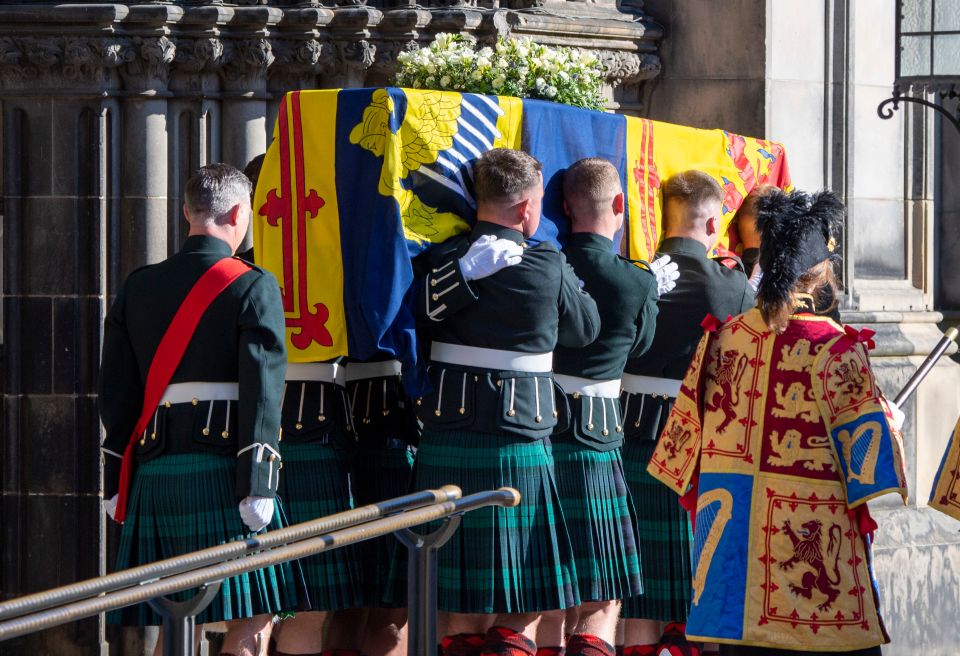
[(314, 483), (185, 502), (381, 473), (664, 538), (600, 520), (500, 560)]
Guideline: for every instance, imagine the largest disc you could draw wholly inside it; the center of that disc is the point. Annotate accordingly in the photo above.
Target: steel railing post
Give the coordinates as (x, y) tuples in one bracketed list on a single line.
[(179, 620), (422, 585)]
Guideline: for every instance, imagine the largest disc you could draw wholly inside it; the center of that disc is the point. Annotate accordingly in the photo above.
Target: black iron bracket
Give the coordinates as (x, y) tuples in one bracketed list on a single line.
[(179, 620), (886, 108)]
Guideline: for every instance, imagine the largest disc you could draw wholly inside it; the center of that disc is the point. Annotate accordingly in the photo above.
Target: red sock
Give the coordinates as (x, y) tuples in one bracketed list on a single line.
[(674, 641), (640, 650), (584, 644), (501, 641), (550, 651), (462, 644)]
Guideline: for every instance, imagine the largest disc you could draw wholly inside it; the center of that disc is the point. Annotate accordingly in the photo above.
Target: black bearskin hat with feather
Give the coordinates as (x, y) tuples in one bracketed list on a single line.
[(797, 232)]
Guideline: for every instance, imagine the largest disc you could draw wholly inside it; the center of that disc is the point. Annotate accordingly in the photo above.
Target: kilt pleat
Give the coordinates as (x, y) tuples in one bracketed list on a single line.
[(500, 560), (315, 483), (381, 473), (600, 519), (185, 502), (663, 537)]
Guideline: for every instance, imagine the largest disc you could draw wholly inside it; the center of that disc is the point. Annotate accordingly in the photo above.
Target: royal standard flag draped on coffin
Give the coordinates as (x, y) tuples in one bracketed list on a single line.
[(357, 182)]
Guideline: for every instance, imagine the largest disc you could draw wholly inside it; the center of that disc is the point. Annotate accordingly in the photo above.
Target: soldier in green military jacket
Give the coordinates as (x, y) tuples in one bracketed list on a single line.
[(207, 465), (597, 505), (692, 205), (491, 356)]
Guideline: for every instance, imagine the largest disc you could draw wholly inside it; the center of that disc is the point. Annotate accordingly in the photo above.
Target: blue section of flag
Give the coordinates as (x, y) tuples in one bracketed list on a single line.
[(559, 135), (877, 476), (377, 273), (718, 611)]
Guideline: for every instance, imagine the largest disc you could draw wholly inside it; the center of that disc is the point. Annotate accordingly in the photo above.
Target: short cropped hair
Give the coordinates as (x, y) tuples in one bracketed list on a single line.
[(214, 189), (691, 189), (749, 205), (590, 185), (502, 175)]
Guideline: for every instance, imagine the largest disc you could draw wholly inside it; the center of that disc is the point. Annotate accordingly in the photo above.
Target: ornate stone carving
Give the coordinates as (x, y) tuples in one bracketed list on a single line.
[(246, 61), (195, 55), (385, 62), (628, 67), (359, 54), (147, 62)]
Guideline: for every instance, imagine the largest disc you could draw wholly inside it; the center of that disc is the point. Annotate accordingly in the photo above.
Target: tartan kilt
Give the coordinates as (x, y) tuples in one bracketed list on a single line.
[(500, 560), (663, 537), (600, 520), (185, 502), (314, 483), (381, 473)]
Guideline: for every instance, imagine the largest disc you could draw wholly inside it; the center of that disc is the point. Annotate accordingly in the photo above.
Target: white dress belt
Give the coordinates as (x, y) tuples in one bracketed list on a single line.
[(363, 370), (485, 358), (651, 385), (189, 392), (606, 389), (319, 372)]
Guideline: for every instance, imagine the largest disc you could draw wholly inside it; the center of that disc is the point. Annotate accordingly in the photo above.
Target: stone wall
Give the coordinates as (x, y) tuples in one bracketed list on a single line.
[(106, 109)]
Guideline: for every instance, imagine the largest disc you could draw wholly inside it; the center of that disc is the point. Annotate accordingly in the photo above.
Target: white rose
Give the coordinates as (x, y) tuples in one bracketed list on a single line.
[(429, 82), (445, 81), (485, 52), (539, 82), (498, 81), (522, 51), (483, 62), (431, 68), (551, 92), (416, 84), (477, 75)]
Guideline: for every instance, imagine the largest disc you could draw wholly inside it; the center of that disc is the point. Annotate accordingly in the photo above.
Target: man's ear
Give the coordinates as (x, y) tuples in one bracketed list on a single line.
[(618, 204), (566, 209), (523, 210), (713, 225), (186, 213), (233, 216)]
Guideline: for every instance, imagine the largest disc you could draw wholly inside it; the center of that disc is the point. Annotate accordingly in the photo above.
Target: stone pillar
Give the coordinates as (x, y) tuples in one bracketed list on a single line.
[(143, 179), (244, 106)]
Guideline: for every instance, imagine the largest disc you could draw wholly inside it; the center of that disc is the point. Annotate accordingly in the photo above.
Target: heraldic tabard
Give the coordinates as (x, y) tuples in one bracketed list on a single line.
[(780, 440)]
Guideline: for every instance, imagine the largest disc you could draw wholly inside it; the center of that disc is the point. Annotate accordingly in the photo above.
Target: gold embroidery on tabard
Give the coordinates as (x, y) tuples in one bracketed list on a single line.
[(794, 404), (796, 357), (729, 373), (789, 450), (862, 448)]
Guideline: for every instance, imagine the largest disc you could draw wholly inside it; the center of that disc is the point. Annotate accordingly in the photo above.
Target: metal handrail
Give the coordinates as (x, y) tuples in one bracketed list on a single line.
[(76, 610), (239, 548)]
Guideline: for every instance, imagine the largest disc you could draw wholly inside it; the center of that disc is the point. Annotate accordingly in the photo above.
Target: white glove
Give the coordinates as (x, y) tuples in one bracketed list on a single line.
[(488, 255), (256, 512), (110, 506), (755, 277), (898, 415), (666, 272)]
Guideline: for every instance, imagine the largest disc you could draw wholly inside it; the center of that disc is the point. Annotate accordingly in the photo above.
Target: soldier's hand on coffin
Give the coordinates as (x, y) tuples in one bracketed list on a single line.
[(488, 255), (898, 415), (756, 277), (666, 272), (256, 512), (110, 506)]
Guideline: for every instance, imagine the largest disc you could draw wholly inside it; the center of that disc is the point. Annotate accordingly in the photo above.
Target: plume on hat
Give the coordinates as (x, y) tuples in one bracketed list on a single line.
[(797, 232)]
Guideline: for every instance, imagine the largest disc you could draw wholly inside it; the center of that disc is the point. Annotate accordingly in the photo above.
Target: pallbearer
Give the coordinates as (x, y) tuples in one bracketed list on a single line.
[(586, 447), (385, 429), (692, 205), (493, 404), (197, 427), (778, 439)]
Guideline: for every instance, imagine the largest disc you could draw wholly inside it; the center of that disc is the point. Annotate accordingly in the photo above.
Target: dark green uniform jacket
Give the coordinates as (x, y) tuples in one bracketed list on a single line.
[(705, 286), (530, 307), (240, 339), (626, 297)]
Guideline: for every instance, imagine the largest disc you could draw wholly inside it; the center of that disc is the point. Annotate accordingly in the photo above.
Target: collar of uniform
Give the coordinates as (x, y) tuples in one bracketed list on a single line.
[(486, 228), (682, 245), (590, 240), (206, 244), (804, 304)]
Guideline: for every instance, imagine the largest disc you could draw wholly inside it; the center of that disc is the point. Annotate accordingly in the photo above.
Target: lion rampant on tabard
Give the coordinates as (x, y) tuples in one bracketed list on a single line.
[(808, 549), (674, 438), (729, 373)]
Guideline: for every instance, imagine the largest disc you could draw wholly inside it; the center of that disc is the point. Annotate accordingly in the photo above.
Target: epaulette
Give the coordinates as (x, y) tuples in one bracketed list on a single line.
[(731, 262)]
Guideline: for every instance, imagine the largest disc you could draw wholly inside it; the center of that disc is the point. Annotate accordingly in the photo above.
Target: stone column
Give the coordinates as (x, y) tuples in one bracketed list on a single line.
[(243, 130), (143, 179)]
